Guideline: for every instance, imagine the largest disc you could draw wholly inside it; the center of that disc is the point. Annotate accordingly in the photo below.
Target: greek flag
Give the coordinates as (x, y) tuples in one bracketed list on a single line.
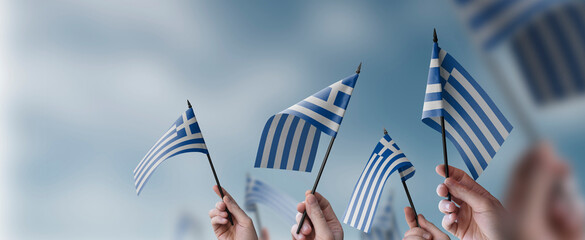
[(183, 136), (385, 226), (386, 158), (290, 138), (551, 54), (473, 123), (493, 21), (260, 192)]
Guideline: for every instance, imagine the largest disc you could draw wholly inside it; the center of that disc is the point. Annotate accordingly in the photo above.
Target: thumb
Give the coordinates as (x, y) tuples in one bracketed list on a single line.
[(473, 195), (424, 223), (236, 211), (315, 213)]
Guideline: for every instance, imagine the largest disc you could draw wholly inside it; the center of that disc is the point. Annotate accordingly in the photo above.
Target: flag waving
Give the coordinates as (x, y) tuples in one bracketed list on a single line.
[(473, 122), (386, 158), (290, 138), (260, 192), (182, 137)]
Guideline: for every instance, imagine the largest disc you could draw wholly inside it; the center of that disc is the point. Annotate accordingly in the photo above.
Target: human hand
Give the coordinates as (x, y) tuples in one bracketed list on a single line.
[(542, 201), (426, 231), (321, 222), (477, 214), (243, 228)]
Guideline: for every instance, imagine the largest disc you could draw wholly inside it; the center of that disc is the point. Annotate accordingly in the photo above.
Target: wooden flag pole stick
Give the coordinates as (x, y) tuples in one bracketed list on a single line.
[(322, 167), (410, 201), (445, 158), (216, 179)]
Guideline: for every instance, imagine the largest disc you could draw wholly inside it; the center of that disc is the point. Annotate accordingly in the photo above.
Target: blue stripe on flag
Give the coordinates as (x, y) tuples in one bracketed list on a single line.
[(385, 159)]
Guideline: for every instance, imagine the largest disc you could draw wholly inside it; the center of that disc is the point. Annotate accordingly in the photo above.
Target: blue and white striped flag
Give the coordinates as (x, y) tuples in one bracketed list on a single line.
[(290, 138), (493, 21), (183, 136), (260, 192), (473, 123), (385, 226), (386, 158), (551, 54)]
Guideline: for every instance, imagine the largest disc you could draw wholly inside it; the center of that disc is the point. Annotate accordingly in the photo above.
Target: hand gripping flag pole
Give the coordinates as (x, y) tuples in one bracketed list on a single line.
[(322, 167), (445, 158), (407, 193), (216, 178)]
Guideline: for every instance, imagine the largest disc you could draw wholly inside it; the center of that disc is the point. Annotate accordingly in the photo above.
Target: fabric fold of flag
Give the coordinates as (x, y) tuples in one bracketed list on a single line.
[(473, 122), (290, 138), (182, 137), (260, 192), (385, 159)]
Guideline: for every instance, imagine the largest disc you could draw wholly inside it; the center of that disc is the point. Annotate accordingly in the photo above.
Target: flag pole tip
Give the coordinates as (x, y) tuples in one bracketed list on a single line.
[(385, 132), (435, 39), (189, 104), (359, 68)]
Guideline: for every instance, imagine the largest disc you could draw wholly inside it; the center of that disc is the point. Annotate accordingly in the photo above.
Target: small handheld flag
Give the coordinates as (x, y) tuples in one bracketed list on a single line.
[(260, 192), (182, 137), (290, 138), (385, 159), (458, 107)]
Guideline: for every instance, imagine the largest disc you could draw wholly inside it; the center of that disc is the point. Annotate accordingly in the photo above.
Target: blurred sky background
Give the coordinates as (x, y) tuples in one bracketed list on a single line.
[(89, 86)]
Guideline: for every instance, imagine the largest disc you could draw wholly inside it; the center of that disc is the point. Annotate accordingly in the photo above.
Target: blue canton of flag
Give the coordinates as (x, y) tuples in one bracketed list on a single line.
[(473, 123), (260, 192), (183, 136), (290, 138), (386, 158), (385, 226), (493, 21)]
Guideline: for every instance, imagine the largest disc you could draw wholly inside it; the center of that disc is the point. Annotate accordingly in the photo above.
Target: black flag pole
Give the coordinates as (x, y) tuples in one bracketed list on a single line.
[(410, 201), (445, 158), (407, 194), (216, 179), (322, 167)]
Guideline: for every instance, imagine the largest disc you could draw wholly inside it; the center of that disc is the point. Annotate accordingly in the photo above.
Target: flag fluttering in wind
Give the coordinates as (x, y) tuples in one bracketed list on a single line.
[(385, 226), (260, 192), (551, 54), (491, 22), (290, 138), (385, 159), (182, 137), (473, 122)]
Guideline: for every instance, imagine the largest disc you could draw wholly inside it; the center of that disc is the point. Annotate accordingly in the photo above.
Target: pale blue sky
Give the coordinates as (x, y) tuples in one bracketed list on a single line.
[(95, 83)]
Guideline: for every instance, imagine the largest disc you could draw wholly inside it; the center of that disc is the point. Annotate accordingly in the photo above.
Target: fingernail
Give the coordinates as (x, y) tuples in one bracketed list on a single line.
[(426, 235), (305, 227), (444, 206), (452, 217), (311, 200)]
